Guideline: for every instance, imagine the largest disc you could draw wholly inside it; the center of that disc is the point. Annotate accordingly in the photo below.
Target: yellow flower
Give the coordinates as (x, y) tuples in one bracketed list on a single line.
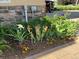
[(46, 28)]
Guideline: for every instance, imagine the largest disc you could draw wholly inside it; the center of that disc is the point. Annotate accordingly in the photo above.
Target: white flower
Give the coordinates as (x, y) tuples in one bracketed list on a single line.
[(20, 26)]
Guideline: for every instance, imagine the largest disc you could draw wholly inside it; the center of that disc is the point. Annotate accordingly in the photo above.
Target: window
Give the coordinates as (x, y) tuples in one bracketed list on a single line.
[(33, 9), (5, 1)]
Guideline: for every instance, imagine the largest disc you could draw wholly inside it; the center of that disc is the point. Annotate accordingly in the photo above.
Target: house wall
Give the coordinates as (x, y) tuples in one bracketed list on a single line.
[(14, 6), (24, 2)]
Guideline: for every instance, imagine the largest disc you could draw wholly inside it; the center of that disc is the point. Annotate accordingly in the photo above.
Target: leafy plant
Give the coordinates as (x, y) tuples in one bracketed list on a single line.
[(37, 30), (61, 27), (3, 46), (38, 34), (3, 42), (18, 33)]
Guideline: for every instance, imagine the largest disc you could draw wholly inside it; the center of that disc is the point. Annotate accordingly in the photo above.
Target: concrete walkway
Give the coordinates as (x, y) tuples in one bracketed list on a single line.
[(70, 14), (67, 51)]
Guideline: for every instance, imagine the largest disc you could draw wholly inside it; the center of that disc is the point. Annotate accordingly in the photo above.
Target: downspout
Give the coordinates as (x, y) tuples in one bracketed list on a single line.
[(25, 11), (76, 2)]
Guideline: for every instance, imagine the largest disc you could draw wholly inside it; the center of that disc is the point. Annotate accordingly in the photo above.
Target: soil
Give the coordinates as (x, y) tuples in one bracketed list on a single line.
[(15, 52)]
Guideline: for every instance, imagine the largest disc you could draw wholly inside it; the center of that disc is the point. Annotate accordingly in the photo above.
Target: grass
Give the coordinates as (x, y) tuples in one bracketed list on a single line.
[(67, 7)]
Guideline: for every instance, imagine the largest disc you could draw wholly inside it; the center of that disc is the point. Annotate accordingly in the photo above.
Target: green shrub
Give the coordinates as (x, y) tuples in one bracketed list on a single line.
[(61, 27)]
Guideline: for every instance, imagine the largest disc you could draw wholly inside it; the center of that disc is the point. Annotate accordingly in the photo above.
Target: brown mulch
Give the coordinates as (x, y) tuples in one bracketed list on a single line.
[(16, 53)]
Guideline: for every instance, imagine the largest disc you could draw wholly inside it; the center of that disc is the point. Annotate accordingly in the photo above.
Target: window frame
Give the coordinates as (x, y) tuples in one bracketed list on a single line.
[(5, 1)]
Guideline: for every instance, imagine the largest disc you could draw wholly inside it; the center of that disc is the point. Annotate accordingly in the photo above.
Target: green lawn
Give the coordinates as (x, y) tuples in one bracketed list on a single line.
[(67, 7)]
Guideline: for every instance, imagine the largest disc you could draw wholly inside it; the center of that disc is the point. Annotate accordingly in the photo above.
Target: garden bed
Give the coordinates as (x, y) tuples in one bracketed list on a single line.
[(33, 49), (24, 39)]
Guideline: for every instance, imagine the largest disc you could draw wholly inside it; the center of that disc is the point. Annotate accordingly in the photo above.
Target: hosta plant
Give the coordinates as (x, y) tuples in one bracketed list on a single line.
[(61, 27)]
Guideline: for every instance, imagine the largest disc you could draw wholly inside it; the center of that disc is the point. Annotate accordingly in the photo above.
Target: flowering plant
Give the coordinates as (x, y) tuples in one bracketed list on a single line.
[(20, 26), (19, 34), (37, 33)]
